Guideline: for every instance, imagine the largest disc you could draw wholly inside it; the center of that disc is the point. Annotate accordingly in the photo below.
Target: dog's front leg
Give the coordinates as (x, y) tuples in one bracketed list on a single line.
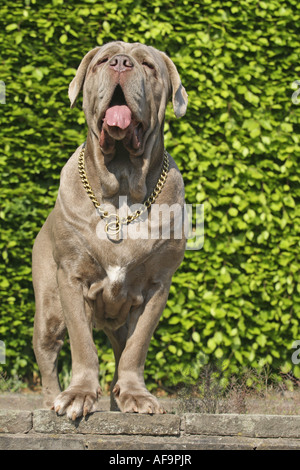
[(130, 391), (81, 395)]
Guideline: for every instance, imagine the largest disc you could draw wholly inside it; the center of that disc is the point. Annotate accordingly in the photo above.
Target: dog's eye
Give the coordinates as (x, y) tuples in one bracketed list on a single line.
[(147, 64), (102, 61)]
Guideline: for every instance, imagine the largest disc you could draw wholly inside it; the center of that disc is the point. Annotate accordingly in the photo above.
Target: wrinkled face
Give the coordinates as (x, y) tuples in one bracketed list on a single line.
[(125, 91)]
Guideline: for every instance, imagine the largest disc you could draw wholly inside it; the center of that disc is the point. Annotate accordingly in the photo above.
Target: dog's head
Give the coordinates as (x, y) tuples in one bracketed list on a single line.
[(125, 91)]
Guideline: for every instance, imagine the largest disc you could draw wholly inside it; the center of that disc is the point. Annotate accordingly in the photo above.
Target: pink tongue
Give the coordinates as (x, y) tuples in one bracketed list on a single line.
[(118, 116)]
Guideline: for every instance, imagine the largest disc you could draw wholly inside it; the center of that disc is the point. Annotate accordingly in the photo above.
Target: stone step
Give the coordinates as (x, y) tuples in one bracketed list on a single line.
[(43, 429)]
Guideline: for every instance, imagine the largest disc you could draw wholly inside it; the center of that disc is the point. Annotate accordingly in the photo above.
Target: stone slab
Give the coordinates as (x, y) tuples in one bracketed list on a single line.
[(182, 443), (264, 426), (35, 441), (15, 421), (40, 442), (45, 421)]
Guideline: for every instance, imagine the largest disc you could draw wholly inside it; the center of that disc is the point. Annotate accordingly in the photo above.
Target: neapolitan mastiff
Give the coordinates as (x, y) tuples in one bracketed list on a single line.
[(83, 279)]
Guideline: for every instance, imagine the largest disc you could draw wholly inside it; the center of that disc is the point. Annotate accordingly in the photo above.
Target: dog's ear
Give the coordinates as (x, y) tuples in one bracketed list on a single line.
[(77, 82), (179, 95)]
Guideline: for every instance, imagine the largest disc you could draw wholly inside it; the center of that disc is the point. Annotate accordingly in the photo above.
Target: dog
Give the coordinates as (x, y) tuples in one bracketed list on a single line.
[(83, 280)]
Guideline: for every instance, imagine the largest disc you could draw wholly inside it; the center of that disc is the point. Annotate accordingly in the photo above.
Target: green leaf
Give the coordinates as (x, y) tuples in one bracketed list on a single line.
[(219, 353), (196, 337), (11, 27), (261, 340), (63, 38), (251, 97)]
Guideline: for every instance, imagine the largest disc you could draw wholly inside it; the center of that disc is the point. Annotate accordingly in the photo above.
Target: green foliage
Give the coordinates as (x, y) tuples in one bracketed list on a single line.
[(237, 299)]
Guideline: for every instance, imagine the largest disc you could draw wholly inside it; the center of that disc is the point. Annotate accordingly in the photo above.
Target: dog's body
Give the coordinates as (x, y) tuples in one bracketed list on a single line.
[(80, 280)]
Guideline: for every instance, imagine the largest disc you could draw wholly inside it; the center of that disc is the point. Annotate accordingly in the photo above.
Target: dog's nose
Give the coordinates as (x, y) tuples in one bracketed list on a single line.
[(121, 63)]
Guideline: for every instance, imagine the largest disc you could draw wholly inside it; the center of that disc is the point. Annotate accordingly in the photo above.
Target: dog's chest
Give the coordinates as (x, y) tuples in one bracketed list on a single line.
[(121, 289)]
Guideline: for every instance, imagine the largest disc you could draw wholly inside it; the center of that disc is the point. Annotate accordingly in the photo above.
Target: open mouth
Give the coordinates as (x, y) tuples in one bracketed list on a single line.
[(118, 113), (118, 123)]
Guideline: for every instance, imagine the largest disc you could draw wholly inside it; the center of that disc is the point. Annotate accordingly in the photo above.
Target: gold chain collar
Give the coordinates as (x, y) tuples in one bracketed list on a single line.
[(114, 222)]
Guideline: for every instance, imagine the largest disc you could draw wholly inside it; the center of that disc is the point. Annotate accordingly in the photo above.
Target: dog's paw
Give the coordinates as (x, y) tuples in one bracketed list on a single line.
[(76, 402), (137, 401)]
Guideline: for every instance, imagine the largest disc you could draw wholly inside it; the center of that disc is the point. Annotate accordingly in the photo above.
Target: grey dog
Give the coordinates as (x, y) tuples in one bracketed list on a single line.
[(119, 285)]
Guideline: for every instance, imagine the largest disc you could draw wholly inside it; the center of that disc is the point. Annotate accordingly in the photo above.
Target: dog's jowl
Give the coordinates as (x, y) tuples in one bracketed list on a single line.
[(118, 284)]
